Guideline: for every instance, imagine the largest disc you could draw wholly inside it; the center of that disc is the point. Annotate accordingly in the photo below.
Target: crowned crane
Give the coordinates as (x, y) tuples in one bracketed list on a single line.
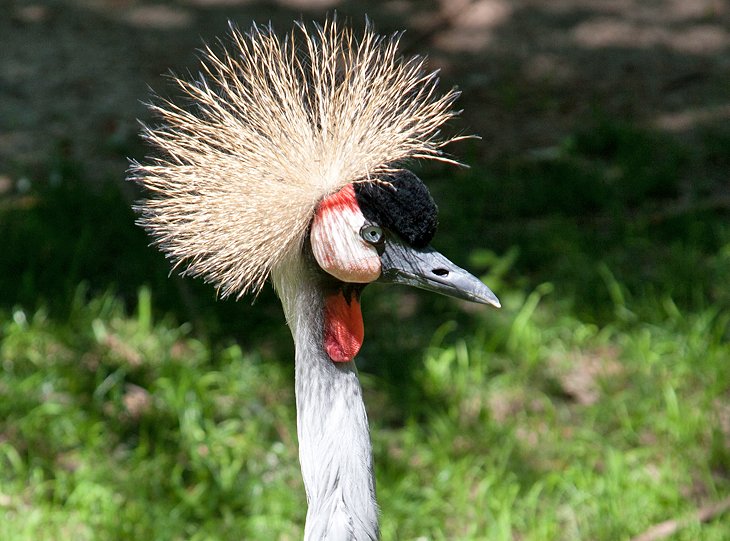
[(288, 162)]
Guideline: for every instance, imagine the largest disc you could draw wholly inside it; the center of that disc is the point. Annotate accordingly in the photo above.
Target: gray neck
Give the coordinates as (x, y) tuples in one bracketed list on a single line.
[(332, 425)]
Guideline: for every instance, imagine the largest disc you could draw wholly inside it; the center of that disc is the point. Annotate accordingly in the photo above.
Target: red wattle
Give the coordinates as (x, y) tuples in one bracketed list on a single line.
[(343, 327)]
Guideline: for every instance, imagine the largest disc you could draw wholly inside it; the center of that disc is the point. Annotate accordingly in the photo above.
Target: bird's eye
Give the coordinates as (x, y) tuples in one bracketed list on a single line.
[(372, 234)]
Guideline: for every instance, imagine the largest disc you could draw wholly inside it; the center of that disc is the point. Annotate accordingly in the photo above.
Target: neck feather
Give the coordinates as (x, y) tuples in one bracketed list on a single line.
[(334, 440)]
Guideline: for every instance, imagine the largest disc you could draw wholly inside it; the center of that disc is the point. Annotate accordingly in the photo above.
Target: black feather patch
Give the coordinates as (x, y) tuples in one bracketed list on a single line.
[(404, 206)]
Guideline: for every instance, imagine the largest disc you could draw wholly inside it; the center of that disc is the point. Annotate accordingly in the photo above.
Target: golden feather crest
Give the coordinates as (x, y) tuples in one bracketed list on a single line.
[(275, 126)]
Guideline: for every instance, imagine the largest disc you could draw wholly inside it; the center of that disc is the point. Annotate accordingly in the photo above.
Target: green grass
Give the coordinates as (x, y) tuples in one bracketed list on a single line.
[(594, 404)]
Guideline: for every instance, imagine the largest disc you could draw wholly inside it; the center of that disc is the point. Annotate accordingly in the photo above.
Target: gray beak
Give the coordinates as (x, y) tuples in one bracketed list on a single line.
[(428, 269)]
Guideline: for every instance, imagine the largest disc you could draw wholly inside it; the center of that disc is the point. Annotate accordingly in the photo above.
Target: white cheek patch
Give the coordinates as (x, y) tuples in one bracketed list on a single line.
[(337, 245)]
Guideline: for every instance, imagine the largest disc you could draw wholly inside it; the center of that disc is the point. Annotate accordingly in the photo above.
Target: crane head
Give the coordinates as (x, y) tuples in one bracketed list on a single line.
[(298, 142), (379, 231)]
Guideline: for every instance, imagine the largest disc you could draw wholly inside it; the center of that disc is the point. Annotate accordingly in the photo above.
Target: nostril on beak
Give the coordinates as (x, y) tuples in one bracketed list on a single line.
[(441, 272)]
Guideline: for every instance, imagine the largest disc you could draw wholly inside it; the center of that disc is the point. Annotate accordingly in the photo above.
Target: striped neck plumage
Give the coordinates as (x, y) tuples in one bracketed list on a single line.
[(334, 441)]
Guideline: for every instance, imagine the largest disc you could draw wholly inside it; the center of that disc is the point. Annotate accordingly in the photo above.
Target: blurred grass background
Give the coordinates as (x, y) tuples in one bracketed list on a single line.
[(596, 403)]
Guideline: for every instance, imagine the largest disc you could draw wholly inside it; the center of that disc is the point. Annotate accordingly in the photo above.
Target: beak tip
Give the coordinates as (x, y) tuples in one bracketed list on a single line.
[(484, 295), (492, 300)]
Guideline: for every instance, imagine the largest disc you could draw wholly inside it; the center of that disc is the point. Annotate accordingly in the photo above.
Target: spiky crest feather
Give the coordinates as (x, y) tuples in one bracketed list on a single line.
[(275, 126)]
